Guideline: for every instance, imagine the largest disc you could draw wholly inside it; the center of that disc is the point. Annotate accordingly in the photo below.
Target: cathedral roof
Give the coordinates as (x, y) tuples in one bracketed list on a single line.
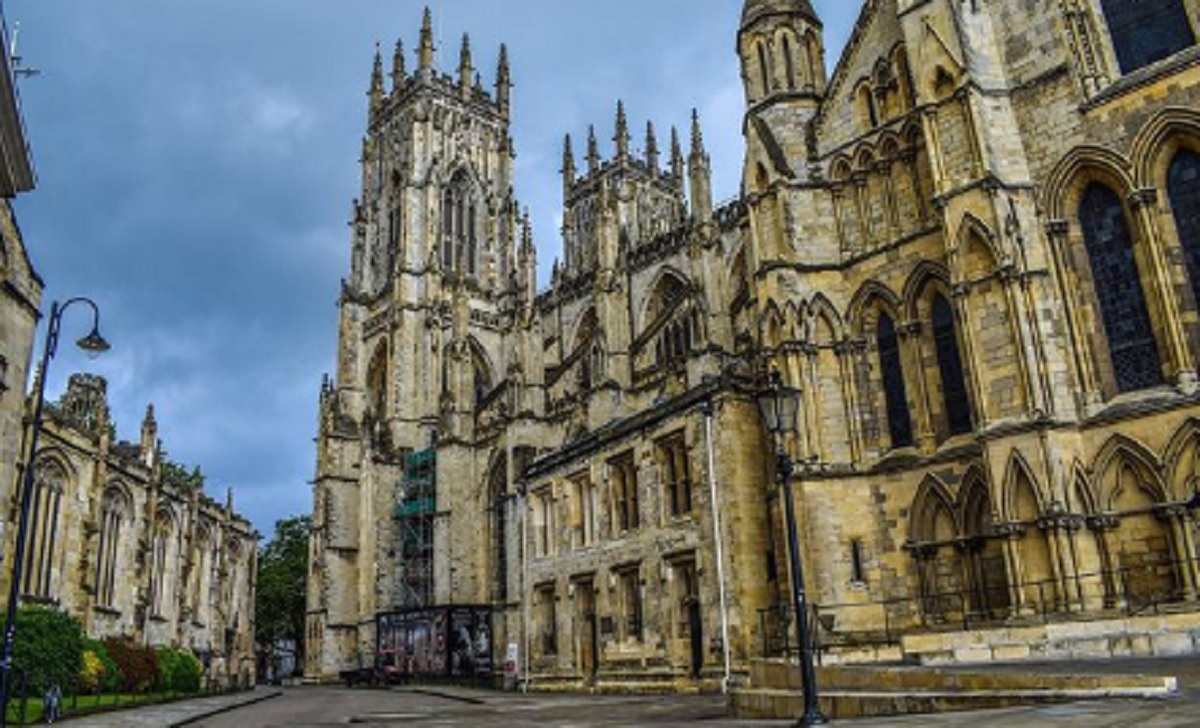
[(755, 9)]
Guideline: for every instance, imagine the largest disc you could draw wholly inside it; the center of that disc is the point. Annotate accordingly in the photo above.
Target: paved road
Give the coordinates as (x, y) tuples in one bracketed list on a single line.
[(326, 707)]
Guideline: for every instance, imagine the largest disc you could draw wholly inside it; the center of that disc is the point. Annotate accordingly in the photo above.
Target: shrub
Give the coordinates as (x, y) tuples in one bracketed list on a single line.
[(136, 664), (91, 676), (178, 670), (48, 649), (109, 678)]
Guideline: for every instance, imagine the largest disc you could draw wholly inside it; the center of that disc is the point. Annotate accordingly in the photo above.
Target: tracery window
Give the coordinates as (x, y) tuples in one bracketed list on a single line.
[(1109, 244), (895, 396), (41, 541), (113, 512), (1183, 188), (1145, 31), (954, 387), (460, 233), (160, 548)]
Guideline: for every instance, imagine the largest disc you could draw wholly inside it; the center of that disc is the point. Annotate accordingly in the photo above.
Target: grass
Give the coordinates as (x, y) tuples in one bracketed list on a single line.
[(33, 708)]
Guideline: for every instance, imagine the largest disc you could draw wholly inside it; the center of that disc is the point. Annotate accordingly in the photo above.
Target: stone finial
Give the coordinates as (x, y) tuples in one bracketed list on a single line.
[(676, 155), (398, 70), (425, 51), (697, 136), (466, 70), (622, 132), (376, 91), (593, 151), (503, 81), (568, 164), (651, 147)]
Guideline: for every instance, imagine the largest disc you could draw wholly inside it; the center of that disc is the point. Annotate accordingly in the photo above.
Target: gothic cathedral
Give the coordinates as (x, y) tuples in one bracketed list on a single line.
[(974, 250)]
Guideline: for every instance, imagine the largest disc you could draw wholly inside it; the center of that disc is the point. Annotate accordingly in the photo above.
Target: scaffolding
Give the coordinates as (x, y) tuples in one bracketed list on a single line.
[(415, 510)]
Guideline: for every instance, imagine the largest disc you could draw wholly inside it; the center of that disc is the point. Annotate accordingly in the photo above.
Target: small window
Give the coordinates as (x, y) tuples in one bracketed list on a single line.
[(676, 479), (630, 585), (857, 572)]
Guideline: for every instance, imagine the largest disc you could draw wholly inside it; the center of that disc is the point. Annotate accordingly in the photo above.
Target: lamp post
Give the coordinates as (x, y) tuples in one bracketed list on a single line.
[(779, 405), (93, 343)]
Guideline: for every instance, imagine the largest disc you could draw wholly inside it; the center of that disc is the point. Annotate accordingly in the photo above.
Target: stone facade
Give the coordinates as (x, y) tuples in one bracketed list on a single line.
[(974, 250), (128, 542)]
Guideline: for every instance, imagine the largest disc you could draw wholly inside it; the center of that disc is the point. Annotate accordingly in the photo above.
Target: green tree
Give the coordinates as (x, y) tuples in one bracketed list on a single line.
[(282, 571)]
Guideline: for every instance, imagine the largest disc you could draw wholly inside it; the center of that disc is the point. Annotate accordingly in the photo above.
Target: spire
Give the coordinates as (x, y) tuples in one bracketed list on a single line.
[(149, 437), (651, 147), (398, 71), (568, 168), (699, 175), (593, 151), (503, 81), (622, 135), (676, 155), (376, 91), (465, 70), (425, 52), (697, 136)]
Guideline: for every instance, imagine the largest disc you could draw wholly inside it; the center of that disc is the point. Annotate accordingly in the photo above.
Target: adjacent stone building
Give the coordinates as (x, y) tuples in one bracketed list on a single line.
[(126, 540), (974, 249)]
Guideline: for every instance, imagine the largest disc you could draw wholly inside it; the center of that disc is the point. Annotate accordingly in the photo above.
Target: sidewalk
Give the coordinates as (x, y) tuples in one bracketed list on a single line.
[(169, 715)]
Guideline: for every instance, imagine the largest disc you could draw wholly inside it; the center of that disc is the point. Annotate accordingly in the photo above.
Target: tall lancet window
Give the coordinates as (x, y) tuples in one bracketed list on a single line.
[(1109, 243), (895, 396), (460, 227), (1183, 187), (954, 386), (114, 511), (41, 540)]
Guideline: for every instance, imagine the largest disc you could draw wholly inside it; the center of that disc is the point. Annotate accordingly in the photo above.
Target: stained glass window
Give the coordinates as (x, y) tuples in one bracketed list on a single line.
[(899, 421), (1109, 245), (954, 387), (1183, 187), (1145, 31)]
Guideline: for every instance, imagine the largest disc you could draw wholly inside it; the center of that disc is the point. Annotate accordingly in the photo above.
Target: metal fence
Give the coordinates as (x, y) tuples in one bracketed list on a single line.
[(1150, 588)]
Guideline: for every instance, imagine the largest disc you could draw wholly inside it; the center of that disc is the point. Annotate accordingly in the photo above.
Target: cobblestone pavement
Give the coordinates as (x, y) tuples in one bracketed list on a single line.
[(325, 707)]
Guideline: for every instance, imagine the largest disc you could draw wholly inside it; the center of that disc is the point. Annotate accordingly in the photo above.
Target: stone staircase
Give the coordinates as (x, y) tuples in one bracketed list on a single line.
[(869, 691)]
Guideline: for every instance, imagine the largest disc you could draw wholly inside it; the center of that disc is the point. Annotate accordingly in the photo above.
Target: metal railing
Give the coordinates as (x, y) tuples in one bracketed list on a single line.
[(1151, 587)]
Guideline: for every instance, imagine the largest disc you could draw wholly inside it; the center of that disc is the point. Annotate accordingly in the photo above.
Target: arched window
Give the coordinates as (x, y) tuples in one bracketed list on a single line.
[(1145, 31), (113, 512), (1183, 187), (954, 387), (499, 499), (41, 541), (764, 69), (789, 63), (160, 553), (460, 229), (896, 399), (201, 568), (1109, 245)]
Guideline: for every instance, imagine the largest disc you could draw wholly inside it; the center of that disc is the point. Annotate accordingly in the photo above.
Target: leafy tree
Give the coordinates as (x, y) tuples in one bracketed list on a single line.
[(282, 571), (48, 648)]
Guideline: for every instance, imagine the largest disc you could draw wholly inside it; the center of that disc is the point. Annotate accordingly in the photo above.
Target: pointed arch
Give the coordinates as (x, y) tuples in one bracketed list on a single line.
[(668, 288), (1065, 184), (483, 373), (1022, 500), (771, 325), (934, 517), (377, 378), (1122, 451), (869, 293), (974, 502), (498, 507), (925, 272), (1181, 460), (1158, 140), (828, 327)]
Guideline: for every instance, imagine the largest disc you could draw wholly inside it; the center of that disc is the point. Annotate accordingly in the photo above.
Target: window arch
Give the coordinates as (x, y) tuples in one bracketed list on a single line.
[(41, 540), (460, 226), (160, 555), (789, 62), (498, 488), (1131, 345), (954, 386), (764, 68), (114, 510), (1146, 31), (892, 370), (1183, 189)]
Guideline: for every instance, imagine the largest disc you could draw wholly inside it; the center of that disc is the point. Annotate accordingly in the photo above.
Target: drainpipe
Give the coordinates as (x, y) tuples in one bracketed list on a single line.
[(707, 408)]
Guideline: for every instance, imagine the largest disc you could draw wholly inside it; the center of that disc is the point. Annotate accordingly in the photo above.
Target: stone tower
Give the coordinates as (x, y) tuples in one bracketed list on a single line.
[(434, 284)]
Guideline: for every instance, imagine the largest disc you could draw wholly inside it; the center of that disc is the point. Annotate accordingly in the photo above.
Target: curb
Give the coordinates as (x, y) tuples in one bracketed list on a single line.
[(226, 708)]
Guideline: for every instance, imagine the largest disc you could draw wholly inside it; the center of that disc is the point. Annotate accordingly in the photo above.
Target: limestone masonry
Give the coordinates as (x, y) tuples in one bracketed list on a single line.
[(974, 249)]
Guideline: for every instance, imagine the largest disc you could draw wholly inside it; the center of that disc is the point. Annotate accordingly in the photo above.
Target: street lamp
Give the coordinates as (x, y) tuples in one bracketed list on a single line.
[(93, 344), (779, 405)]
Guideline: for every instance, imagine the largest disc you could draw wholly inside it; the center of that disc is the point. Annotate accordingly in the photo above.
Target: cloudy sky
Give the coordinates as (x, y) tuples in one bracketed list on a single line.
[(196, 163)]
